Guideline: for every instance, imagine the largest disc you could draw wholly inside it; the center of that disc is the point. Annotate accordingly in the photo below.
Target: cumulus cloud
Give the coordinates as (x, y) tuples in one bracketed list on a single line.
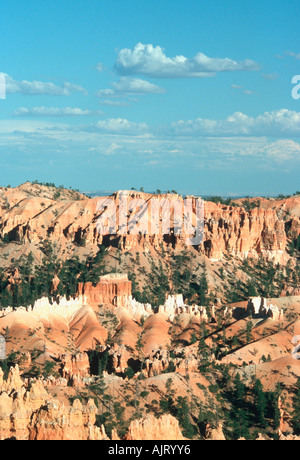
[(121, 125), (54, 112), (153, 62), (138, 142), (127, 86), (40, 88), (106, 93), (282, 150), (275, 123)]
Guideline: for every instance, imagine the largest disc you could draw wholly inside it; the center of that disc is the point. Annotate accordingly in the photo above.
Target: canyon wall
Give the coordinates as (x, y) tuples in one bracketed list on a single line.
[(228, 230)]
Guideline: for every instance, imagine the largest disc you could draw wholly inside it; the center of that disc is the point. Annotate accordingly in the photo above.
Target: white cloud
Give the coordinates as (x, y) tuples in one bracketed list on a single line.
[(113, 148), (280, 124), (282, 150), (152, 61), (54, 112), (292, 54), (128, 85), (270, 76), (100, 67), (114, 102), (276, 123), (40, 88), (27, 126), (244, 91), (120, 125), (136, 142), (106, 93)]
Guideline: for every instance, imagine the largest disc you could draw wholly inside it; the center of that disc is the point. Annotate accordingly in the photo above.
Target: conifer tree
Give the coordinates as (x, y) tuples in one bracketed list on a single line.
[(296, 409), (260, 403)]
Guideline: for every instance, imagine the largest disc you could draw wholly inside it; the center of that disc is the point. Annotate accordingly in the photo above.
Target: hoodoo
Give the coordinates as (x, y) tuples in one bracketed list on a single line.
[(113, 289)]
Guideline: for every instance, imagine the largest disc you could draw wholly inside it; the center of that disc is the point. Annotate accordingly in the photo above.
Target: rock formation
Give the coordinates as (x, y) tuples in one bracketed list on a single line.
[(174, 306), (214, 434), (234, 231), (42, 308), (160, 361), (112, 289), (137, 309), (260, 307), (120, 357), (228, 230), (75, 368), (151, 428), (56, 422), (30, 413)]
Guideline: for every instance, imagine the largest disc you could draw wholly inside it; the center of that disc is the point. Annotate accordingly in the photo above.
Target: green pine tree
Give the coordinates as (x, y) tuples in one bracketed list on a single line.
[(296, 409)]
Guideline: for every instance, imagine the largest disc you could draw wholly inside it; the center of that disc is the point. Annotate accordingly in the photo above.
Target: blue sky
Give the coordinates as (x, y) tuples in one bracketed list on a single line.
[(194, 96)]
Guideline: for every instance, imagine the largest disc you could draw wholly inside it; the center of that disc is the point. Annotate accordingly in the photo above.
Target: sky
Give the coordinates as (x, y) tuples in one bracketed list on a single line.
[(196, 96)]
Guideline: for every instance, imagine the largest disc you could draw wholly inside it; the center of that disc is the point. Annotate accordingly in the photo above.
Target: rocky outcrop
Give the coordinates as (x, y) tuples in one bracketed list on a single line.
[(151, 428), (157, 362), (160, 361), (263, 308), (214, 434), (174, 306), (288, 437), (112, 289), (42, 308), (137, 309), (75, 368), (17, 404), (120, 357), (234, 231), (228, 230), (56, 422), (13, 381), (28, 412)]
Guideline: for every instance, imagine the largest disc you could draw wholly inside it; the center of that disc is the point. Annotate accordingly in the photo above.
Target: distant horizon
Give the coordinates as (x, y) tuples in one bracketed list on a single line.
[(95, 193)]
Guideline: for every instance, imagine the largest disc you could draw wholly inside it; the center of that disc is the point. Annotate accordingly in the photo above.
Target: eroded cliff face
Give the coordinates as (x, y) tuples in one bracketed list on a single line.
[(29, 412), (41, 408), (151, 428), (234, 231), (228, 230), (112, 289)]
